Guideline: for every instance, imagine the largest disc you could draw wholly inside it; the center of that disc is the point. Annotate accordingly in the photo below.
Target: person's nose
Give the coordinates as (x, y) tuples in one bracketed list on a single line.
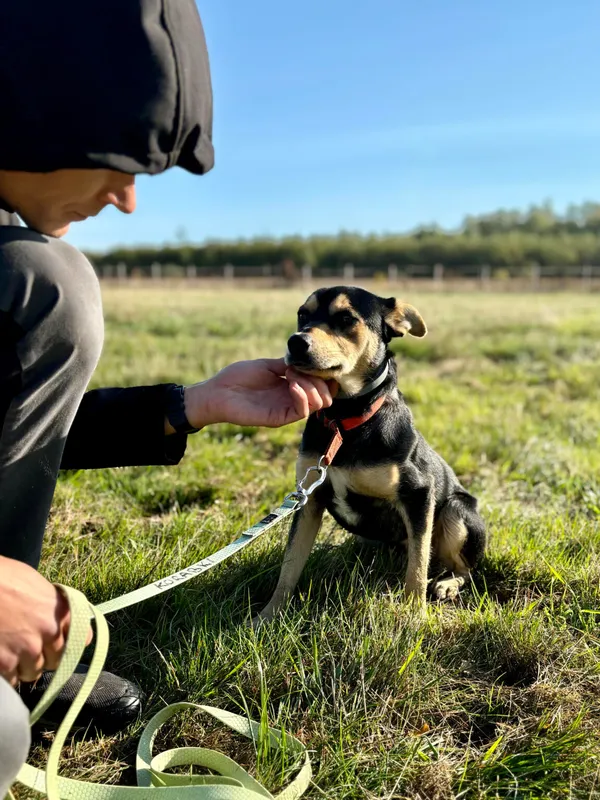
[(123, 198)]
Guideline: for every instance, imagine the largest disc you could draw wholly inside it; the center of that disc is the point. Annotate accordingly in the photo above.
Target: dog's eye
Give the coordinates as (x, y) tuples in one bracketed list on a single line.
[(302, 317), (345, 318)]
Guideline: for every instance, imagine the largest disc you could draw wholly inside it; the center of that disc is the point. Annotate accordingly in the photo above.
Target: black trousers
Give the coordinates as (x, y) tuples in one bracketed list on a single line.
[(51, 333)]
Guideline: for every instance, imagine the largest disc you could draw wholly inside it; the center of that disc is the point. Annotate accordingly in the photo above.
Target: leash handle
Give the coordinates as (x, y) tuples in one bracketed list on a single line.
[(154, 783)]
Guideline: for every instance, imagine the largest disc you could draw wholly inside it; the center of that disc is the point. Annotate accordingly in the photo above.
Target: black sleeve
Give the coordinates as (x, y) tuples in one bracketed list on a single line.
[(122, 428)]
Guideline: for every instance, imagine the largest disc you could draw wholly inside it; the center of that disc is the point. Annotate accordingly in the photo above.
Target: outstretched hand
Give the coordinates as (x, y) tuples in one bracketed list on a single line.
[(264, 392)]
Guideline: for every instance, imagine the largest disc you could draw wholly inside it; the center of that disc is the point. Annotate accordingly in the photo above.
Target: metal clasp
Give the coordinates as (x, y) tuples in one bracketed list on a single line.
[(302, 494)]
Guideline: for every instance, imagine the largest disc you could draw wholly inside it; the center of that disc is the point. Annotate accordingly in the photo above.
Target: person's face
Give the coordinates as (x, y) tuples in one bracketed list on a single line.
[(49, 202)]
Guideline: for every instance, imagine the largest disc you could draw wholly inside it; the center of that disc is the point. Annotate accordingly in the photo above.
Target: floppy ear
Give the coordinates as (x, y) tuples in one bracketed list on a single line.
[(401, 318)]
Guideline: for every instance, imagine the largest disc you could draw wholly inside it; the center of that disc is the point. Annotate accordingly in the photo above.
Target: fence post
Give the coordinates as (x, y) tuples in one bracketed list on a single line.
[(536, 274), (122, 271), (306, 273), (392, 273), (156, 271), (485, 276), (348, 272), (586, 278), (438, 274), (267, 270), (228, 272), (191, 272)]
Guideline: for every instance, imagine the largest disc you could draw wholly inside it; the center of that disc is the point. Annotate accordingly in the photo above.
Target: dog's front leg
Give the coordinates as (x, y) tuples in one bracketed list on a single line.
[(302, 537), (417, 505)]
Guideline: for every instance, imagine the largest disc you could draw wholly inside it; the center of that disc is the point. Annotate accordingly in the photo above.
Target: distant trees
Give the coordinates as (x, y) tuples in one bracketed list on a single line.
[(504, 239)]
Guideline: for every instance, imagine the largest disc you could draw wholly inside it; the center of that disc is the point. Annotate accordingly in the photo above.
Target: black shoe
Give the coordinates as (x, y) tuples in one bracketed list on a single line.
[(112, 705)]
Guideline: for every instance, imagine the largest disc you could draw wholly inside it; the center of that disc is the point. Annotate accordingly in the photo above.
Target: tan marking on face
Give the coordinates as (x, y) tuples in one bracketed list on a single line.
[(312, 303), (364, 357), (330, 349), (339, 303), (354, 357)]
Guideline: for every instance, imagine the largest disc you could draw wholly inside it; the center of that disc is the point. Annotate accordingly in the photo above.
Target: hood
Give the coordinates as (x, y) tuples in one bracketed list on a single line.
[(119, 84)]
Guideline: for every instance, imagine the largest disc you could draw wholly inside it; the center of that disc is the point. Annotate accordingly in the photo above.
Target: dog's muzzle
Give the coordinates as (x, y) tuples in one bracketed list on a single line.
[(299, 346)]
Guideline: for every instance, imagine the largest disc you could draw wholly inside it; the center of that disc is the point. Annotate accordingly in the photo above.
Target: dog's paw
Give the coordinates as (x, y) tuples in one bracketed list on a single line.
[(446, 589), (255, 622), (259, 620)]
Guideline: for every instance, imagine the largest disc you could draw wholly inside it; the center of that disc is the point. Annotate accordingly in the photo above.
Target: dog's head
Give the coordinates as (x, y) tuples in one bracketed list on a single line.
[(343, 332)]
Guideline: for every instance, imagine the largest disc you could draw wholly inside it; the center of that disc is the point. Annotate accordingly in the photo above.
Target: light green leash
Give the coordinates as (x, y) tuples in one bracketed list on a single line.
[(291, 503), (233, 782), (278, 514)]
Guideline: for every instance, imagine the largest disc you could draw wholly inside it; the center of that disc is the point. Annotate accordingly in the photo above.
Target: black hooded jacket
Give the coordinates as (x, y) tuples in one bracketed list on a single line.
[(117, 84), (120, 84)]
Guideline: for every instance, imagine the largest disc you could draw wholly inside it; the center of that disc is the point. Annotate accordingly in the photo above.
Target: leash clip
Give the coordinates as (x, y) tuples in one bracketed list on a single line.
[(302, 494)]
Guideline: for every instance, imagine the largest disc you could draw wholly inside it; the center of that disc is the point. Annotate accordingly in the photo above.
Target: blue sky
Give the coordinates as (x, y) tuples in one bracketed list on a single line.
[(379, 116)]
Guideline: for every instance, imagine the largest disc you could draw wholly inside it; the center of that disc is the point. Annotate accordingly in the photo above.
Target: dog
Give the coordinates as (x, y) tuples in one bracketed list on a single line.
[(383, 482)]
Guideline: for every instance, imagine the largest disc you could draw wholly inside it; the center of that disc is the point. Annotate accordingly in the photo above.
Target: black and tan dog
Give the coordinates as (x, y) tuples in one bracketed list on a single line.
[(384, 481)]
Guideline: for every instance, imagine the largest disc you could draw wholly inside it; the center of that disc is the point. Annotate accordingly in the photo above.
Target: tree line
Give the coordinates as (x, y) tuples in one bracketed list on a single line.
[(506, 239)]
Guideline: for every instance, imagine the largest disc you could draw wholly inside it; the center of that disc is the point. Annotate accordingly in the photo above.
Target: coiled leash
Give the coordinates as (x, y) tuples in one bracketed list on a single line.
[(232, 782)]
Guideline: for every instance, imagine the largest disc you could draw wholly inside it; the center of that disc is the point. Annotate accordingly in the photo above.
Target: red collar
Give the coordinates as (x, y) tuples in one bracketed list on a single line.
[(347, 424)]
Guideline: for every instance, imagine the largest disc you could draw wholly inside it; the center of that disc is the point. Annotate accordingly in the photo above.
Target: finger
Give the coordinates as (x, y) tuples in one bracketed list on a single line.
[(90, 636), (322, 386), (53, 652), (62, 613), (30, 669), (10, 665), (275, 365), (315, 401), (65, 625), (299, 400), (334, 388)]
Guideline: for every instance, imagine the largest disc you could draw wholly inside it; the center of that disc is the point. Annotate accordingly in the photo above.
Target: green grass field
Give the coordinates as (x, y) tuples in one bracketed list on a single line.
[(497, 696)]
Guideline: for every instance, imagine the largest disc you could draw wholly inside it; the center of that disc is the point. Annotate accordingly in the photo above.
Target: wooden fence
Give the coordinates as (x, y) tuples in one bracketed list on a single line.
[(584, 278)]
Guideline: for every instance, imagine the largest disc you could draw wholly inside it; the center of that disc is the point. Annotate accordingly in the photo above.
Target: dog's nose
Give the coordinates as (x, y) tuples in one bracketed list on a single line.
[(299, 345)]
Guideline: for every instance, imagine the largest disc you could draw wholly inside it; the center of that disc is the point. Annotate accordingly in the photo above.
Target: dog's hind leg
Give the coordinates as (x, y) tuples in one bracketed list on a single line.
[(301, 539), (459, 542), (417, 505)]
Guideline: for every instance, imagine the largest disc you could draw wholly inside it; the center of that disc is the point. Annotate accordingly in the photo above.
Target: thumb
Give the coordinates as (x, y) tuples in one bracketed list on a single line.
[(275, 365), (334, 387)]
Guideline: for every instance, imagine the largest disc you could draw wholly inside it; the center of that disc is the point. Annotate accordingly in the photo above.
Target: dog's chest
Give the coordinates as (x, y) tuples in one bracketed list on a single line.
[(353, 488)]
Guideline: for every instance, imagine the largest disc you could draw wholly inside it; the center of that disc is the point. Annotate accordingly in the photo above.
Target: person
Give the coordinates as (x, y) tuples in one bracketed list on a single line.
[(93, 94)]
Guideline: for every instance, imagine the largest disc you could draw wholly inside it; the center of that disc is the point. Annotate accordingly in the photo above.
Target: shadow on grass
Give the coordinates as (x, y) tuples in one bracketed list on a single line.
[(171, 498), (504, 576)]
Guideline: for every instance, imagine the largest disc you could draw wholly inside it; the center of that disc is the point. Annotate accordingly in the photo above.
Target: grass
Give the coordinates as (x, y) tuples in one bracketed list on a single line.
[(495, 697)]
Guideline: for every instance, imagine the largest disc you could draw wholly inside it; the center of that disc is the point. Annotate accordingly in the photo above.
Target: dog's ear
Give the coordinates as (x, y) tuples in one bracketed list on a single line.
[(400, 318)]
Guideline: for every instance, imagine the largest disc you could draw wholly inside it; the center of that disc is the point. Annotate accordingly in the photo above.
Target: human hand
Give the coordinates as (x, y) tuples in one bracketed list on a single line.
[(264, 392), (34, 622)]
